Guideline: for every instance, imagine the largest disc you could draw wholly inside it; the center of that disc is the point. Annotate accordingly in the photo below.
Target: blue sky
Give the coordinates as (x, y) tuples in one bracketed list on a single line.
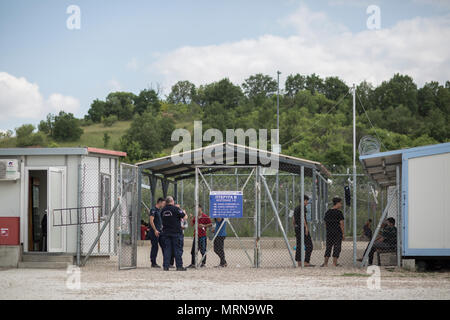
[(132, 45)]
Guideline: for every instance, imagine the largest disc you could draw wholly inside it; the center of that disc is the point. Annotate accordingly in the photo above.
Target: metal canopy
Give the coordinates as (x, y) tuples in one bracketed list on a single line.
[(381, 167), (230, 154)]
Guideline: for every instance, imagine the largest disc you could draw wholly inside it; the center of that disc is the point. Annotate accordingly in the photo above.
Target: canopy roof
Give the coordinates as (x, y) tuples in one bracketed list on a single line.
[(231, 155), (381, 167)]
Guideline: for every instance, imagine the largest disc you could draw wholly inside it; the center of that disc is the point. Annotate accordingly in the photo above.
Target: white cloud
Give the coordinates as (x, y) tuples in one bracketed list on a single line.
[(417, 47), (114, 85), (20, 99), (59, 102)]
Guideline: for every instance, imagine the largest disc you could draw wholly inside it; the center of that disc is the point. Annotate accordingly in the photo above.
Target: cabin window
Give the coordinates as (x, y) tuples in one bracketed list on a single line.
[(105, 194)]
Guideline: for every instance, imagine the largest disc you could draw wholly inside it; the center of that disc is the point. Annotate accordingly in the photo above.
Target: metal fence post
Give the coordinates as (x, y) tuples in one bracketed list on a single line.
[(354, 217), (255, 219), (313, 204), (79, 218), (258, 212), (196, 218), (302, 217), (287, 210), (399, 219)]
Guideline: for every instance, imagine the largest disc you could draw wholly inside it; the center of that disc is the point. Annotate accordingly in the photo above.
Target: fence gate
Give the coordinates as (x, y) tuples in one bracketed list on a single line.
[(128, 217)]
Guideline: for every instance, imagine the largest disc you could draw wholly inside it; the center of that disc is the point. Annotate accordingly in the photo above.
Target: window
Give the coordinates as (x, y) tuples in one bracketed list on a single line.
[(105, 194)]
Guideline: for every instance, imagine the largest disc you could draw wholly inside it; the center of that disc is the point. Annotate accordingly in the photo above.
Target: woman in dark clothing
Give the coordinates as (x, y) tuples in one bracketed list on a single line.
[(298, 235)]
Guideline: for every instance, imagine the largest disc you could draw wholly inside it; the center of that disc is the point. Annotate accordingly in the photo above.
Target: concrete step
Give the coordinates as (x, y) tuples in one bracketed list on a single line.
[(45, 257), (43, 265)]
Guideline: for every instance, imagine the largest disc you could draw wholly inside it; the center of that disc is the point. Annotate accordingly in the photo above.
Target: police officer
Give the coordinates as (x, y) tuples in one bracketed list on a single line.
[(155, 230), (172, 234)]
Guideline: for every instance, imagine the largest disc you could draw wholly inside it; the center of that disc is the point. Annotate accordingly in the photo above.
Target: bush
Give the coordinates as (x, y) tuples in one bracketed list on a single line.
[(110, 120), (27, 138)]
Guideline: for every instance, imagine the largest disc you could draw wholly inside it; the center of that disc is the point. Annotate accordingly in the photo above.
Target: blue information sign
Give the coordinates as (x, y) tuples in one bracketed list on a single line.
[(226, 204)]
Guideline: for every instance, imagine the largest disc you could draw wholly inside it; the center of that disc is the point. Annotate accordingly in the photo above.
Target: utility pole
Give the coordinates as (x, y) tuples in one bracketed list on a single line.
[(354, 176), (278, 147)]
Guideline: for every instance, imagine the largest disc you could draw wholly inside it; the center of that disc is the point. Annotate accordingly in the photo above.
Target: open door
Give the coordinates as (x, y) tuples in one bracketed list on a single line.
[(56, 200)]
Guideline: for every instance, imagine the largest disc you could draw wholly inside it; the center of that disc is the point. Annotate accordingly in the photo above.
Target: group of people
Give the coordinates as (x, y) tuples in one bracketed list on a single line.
[(168, 221), (166, 227), (334, 224), (335, 234)]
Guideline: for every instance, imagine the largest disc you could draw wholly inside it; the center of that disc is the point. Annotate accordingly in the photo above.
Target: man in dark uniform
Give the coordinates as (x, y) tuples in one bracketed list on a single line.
[(172, 234), (298, 235), (334, 223), (155, 230)]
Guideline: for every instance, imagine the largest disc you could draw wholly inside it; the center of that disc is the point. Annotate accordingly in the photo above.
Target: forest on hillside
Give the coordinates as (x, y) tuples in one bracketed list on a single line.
[(315, 115)]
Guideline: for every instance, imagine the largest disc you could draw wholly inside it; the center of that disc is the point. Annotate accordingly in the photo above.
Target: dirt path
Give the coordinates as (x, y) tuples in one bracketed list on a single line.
[(104, 281)]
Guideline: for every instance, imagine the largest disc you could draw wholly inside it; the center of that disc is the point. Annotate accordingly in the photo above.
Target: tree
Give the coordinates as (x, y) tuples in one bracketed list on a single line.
[(26, 136), (182, 92), (97, 110), (294, 84), (216, 116), (314, 84), (66, 127), (400, 90), (106, 139), (259, 86), (152, 133), (334, 88), (47, 126), (121, 104), (223, 92), (147, 100), (364, 92), (6, 134)]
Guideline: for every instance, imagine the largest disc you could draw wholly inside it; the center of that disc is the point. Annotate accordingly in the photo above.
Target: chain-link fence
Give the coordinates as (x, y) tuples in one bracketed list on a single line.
[(371, 223), (98, 194), (261, 238)]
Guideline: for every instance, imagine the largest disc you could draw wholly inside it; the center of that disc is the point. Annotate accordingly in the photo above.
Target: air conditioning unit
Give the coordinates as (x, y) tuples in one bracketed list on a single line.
[(9, 169)]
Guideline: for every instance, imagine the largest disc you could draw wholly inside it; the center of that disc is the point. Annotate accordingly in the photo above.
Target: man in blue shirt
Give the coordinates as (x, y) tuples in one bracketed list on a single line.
[(221, 233), (172, 234), (155, 230)]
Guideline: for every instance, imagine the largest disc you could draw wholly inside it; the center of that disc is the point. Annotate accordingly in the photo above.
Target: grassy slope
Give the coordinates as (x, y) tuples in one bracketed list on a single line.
[(93, 135)]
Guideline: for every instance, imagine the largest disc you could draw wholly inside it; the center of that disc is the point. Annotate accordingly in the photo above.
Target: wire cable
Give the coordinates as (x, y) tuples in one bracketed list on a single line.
[(373, 127), (331, 109)]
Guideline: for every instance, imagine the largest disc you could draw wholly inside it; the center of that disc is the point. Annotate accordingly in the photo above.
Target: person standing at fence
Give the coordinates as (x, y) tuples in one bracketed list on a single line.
[(144, 230), (155, 230), (220, 233), (204, 222), (298, 235), (334, 223), (367, 231), (172, 234)]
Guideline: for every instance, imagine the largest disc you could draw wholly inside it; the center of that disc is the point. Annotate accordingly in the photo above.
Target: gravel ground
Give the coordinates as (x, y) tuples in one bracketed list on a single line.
[(100, 279)]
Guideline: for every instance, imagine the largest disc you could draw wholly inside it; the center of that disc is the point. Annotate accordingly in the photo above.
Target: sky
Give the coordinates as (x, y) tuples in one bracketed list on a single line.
[(46, 66)]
